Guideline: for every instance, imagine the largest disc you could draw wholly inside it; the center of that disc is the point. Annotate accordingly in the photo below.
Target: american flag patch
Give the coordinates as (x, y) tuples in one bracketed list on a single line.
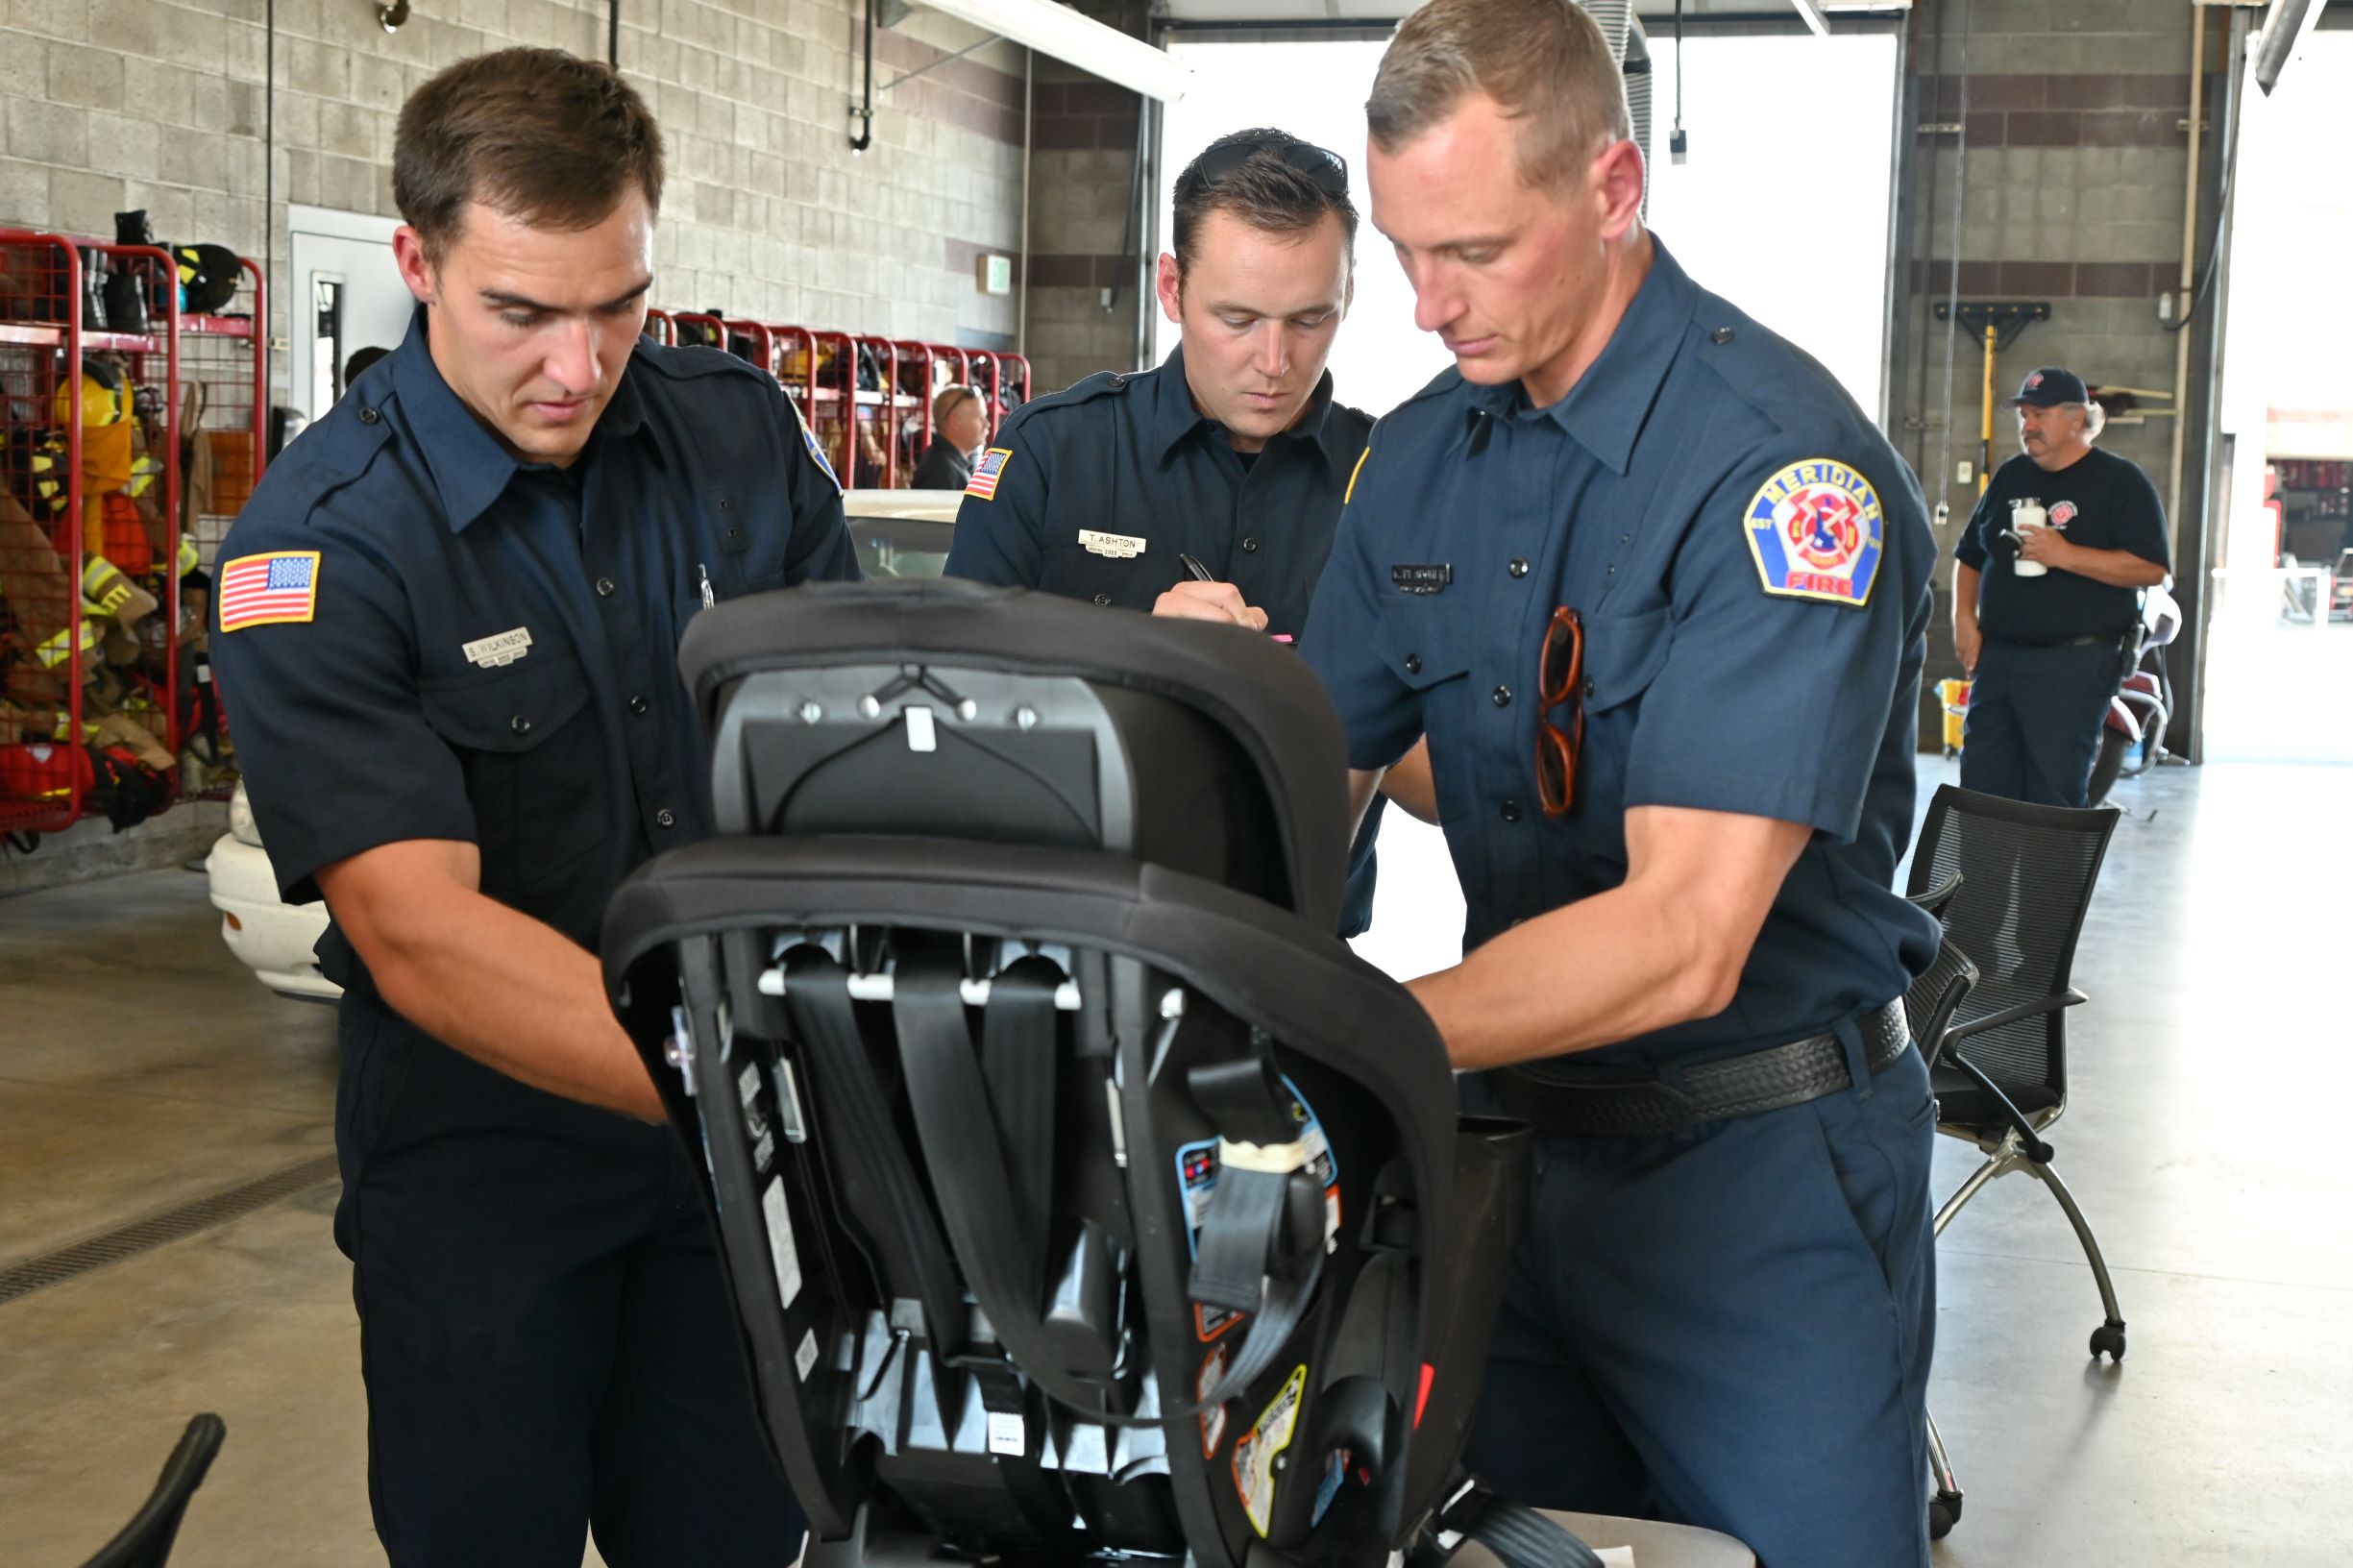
[(988, 472), (269, 590)]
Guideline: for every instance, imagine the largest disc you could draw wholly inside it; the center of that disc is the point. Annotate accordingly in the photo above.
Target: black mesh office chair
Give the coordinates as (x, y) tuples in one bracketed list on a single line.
[(1083, 1198), (2011, 883), (1928, 1007), (147, 1540)]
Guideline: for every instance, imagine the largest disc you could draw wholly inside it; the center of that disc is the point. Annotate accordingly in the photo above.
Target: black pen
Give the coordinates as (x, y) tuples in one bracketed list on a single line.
[(1200, 572)]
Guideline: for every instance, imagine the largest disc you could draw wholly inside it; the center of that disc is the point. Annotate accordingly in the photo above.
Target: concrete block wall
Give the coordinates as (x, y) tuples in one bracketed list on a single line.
[(2073, 192), (107, 104), (1084, 299)]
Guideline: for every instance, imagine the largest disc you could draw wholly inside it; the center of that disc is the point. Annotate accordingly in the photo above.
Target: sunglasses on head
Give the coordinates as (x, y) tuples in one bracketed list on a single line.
[(1328, 169)]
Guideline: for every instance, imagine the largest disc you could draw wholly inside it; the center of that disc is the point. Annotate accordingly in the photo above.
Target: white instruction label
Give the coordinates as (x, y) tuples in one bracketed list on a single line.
[(781, 1245), (1007, 1435), (1212, 1416)]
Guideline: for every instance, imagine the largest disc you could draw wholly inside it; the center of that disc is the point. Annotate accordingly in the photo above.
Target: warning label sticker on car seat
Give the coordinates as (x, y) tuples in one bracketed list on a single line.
[(1255, 1455)]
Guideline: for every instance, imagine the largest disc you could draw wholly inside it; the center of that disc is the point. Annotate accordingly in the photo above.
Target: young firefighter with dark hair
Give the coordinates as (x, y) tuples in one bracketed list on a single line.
[(446, 626), (1232, 454)]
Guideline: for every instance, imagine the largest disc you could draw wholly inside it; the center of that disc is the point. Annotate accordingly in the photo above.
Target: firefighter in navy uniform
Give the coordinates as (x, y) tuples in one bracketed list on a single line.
[(1233, 455), (1657, 594), (2041, 616), (446, 626)]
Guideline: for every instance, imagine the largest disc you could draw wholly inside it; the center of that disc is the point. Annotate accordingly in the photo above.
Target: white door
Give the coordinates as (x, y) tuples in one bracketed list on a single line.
[(345, 295)]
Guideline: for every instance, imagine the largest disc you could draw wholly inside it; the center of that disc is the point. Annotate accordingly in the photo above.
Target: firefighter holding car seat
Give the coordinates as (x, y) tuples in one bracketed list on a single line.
[(1659, 595), (2045, 589), (446, 626)]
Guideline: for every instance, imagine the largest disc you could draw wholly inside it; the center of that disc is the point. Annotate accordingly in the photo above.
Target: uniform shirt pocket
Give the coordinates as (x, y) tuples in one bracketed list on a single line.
[(534, 769), (1075, 571), (1430, 652), (1624, 655)]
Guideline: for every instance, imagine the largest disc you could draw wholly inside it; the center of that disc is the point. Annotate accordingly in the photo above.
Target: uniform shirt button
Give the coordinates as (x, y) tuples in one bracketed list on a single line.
[(604, 587), (370, 416), (1503, 697), (1250, 545), (1519, 567), (1102, 598), (1588, 686), (637, 704), (1413, 664), (1511, 811), (519, 725), (664, 817), (1722, 335)]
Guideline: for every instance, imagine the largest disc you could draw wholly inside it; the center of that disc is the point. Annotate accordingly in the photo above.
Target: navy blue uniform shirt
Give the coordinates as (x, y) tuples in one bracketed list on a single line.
[(2099, 500), (485, 649), (1751, 560), (1094, 492)]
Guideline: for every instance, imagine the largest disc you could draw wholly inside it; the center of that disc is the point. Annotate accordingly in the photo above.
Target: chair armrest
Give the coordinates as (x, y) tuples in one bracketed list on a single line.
[(1934, 900), (2013, 1015)]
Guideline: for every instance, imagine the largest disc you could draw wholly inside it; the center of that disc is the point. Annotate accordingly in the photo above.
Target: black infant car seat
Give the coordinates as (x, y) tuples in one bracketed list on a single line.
[(1082, 1196)]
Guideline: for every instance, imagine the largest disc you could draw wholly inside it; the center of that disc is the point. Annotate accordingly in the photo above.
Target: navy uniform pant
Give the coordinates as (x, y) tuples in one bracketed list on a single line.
[(1729, 1328), (545, 1334), (2035, 716)]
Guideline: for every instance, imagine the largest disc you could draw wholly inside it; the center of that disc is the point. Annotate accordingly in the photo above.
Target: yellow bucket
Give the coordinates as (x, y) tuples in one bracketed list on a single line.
[(1955, 695)]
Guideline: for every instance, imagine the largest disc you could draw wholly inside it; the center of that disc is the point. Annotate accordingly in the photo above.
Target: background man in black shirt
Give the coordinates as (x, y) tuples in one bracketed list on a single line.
[(2039, 612), (960, 420)]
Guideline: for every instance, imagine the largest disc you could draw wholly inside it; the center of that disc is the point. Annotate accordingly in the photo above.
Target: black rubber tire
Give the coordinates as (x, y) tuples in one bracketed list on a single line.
[(1944, 1512), (2108, 1339), (2109, 766)]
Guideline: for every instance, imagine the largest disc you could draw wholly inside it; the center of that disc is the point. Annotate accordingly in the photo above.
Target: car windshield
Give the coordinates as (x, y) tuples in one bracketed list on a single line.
[(901, 547)]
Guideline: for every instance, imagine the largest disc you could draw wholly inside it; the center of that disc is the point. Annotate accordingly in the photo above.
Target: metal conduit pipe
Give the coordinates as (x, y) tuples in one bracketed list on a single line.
[(2189, 264), (1029, 143)]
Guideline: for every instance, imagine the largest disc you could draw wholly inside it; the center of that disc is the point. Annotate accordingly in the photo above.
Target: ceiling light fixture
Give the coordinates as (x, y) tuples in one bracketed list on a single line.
[(2284, 28)]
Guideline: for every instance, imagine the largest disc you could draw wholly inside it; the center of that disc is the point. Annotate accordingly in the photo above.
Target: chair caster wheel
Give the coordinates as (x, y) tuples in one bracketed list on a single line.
[(2108, 1339), (1944, 1512)]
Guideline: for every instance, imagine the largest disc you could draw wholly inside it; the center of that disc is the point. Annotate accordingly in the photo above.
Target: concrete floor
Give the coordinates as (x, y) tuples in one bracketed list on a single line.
[(141, 1068)]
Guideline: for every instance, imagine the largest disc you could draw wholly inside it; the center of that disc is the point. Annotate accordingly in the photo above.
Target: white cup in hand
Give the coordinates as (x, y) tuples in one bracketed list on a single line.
[(2029, 515)]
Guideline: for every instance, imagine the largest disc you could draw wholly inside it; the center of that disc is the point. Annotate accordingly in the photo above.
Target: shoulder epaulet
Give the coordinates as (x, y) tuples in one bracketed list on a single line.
[(690, 363), (1356, 419), (342, 446), (1447, 381), (1104, 384), (1444, 382)]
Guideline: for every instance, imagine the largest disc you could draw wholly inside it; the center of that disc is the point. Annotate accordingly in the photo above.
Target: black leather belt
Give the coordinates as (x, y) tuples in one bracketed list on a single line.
[(2114, 639), (1740, 1086)]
